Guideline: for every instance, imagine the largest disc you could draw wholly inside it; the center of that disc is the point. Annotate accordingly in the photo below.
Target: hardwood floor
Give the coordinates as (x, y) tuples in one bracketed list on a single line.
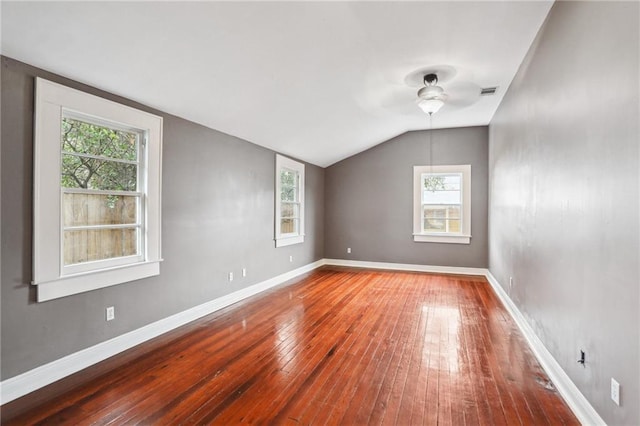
[(340, 346)]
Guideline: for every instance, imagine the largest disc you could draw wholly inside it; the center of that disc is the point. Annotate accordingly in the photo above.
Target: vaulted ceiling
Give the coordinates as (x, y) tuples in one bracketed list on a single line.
[(319, 81)]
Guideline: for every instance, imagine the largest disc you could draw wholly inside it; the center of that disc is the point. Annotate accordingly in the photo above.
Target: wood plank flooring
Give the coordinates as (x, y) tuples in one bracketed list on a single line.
[(340, 346)]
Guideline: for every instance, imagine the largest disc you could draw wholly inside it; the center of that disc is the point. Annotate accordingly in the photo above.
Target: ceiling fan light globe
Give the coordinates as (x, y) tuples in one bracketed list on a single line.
[(430, 92), (430, 106)]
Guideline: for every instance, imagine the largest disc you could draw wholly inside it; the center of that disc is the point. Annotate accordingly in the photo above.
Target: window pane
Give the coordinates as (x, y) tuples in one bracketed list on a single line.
[(91, 173), (454, 225), (91, 139), (441, 211), (442, 225), (91, 209), (288, 194), (289, 210), (288, 177), (98, 244), (435, 225), (441, 197), (453, 212), (441, 189), (289, 226), (442, 219)]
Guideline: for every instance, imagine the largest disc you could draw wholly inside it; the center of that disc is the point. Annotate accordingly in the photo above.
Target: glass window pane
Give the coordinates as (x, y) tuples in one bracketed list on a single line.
[(441, 189), (289, 210), (452, 182), (441, 197), (91, 173), (288, 194), (442, 219), (453, 225), (288, 177), (92, 209), (434, 213), (99, 244), (435, 225), (86, 138), (453, 212), (289, 226)]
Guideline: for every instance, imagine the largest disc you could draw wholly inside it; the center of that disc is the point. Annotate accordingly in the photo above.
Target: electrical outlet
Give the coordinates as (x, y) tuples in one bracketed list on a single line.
[(348, 249), (615, 391), (510, 283), (230, 276), (244, 272), (110, 313), (290, 258)]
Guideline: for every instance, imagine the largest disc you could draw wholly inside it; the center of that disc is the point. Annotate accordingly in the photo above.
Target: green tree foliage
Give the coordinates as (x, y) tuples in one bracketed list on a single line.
[(288, 185), (82, 142), (434, 183)]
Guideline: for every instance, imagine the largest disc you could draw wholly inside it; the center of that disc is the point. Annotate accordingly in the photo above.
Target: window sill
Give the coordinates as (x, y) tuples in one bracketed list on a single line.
[(83, 282), (442, 238), (288, 241)]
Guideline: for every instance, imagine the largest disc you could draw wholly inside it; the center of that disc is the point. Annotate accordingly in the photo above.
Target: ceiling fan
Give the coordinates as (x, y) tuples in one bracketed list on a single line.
[(440, 86), (431, 97)]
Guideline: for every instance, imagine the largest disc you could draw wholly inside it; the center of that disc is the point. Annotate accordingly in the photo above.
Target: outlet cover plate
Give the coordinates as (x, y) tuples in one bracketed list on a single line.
[(110, 313), (615, 391)]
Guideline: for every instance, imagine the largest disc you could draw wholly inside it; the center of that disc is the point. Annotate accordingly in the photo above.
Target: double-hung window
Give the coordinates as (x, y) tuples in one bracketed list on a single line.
[(442, 204), (97, 192), (289, 213)]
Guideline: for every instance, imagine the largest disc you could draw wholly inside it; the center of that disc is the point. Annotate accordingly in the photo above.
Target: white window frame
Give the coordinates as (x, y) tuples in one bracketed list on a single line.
[(287, 239), (52, 278), (462, 237)]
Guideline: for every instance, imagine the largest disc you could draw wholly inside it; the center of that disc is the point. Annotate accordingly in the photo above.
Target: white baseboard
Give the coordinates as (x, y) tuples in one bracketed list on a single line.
[(27, 382), (39, 377), (580, 406), (407, 267)]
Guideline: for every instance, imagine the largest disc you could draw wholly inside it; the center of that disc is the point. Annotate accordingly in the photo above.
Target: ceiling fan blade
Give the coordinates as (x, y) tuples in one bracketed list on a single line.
[(462, 94)]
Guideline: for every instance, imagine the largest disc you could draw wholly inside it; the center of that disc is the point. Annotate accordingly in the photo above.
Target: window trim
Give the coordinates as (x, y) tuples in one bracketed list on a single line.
[(281, 239), (51, 103), (463, 237)]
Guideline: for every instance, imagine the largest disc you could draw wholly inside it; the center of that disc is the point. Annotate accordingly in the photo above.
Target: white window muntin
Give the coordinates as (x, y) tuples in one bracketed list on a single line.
[(52, 101), (419, 233), (283, 236)]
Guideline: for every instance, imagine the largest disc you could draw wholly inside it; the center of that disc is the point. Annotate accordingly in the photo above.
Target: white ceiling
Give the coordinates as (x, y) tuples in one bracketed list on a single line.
[(318, 81)]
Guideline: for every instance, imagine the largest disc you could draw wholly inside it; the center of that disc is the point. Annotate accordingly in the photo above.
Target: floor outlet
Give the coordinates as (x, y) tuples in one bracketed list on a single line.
[(615, 391), (230, 276), (110, 313)]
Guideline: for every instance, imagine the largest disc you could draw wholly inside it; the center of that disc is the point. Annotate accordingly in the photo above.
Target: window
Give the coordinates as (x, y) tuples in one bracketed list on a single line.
[(289, 201), (96, 192), (442, 204)]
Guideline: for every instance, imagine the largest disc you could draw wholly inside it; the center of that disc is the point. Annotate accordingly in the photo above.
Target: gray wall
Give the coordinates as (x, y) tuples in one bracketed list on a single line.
[(369, 200), (217, 211), (564, 214)]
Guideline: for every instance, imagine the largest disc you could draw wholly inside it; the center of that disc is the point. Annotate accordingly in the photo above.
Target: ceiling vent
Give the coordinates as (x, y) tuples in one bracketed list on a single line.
[(488, 91)]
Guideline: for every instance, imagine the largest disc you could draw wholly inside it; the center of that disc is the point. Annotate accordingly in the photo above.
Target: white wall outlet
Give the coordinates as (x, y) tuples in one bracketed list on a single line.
[(290, 258), (110, 313), (510, 283), (230, 276), (244, 272), (348, 249), (615, 391)]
